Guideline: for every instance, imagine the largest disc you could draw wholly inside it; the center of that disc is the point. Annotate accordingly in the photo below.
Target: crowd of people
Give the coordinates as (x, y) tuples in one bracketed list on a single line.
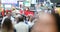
[(28, 21)]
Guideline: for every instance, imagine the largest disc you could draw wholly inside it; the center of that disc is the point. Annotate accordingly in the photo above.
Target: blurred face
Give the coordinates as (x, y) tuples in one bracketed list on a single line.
[(26, 8), (45, 23), (9, 14)]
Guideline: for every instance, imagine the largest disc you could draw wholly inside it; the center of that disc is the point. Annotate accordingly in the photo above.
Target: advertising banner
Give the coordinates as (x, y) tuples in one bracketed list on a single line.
[(26, 3), (8, 6), (9, 1)]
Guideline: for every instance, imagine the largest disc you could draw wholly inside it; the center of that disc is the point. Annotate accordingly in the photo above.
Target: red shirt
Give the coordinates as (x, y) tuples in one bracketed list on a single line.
[(31, 13), (3, 13), (27, 13), (8, 11), (21, 11)]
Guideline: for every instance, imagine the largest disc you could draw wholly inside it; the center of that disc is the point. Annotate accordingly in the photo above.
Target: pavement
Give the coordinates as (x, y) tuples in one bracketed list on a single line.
[(0, 30)]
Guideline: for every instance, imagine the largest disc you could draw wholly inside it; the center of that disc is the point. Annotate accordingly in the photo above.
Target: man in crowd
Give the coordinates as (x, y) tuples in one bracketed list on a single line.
[(21, 26)]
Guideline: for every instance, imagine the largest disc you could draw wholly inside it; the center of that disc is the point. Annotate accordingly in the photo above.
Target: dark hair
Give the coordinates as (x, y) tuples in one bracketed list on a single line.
[(57, 17), (7, 25), (21, 19), (27, 8), (24, 17)]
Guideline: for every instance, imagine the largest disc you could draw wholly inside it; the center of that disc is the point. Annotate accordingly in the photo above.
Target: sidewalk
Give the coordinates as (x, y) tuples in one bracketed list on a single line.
[(0, 30)]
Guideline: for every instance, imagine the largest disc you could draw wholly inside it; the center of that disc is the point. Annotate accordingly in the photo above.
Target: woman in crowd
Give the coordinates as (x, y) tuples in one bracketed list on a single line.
[(21, 26), (7, 26)]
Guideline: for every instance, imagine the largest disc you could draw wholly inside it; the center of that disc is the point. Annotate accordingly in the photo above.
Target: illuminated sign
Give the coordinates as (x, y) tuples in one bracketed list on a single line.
[(27, 4), (8, 6), (9, 1)]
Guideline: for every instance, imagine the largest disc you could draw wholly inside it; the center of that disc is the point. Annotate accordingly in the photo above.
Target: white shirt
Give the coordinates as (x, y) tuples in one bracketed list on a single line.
[(33, 1), (30, 24), (22, 27), (14, 13)]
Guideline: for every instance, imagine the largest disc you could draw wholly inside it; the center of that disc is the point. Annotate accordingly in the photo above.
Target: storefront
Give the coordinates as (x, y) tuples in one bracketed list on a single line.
[(27, 3), (8, 3)]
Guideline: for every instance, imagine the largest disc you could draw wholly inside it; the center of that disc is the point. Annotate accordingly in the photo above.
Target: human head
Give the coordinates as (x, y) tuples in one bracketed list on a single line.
[(20, 19), (7, 25), (27, 9), (13, 9), (45, 23), (41, 4), (8, 14), (17, 18)]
